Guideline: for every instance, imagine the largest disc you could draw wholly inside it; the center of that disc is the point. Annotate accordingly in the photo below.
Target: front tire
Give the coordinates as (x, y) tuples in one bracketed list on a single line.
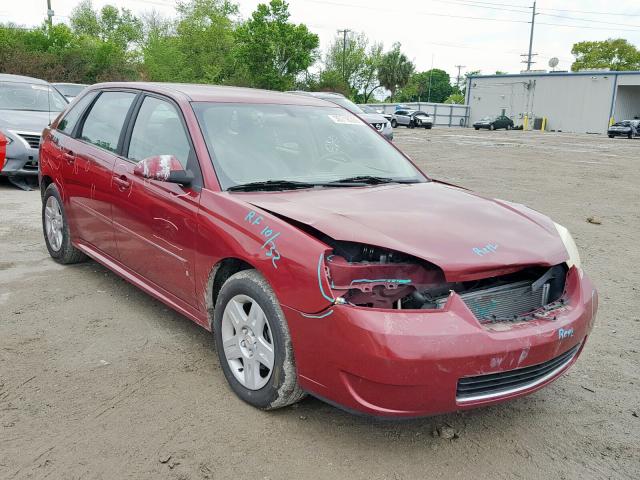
[(394, 123), (253, 343), (492, 127), (56, 229), (509, 127)]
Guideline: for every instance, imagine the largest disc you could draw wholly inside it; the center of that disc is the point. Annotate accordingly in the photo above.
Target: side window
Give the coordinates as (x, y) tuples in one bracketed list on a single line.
[(104, 122), (69, 121), (159, 131)]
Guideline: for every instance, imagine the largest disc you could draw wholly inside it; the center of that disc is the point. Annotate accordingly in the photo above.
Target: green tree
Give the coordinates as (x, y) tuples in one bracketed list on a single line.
[(270, 52), (455, 99), (203, 42), (430, 86), (394, 70), (613, 54), (120, 27)]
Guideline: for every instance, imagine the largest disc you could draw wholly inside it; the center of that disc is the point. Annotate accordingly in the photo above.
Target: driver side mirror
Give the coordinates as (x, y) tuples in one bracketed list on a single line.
[(163, 168)]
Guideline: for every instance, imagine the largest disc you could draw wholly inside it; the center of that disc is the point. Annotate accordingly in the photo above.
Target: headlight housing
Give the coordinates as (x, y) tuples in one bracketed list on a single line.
[(570, 245)]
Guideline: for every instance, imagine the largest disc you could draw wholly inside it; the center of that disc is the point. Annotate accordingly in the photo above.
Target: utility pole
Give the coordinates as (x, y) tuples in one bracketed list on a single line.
[(459, 67), (344, 52), (533, 23), (49, 14)]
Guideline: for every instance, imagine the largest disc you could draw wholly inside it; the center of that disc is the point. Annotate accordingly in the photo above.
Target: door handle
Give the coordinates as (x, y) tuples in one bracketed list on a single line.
[(69, 157), (122, 182)]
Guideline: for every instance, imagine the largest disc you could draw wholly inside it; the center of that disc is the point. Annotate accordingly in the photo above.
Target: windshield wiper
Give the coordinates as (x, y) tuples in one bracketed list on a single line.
[(373, 180), (272, 185)]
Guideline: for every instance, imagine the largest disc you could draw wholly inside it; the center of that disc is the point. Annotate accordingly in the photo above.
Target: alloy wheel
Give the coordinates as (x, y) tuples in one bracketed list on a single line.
[(53, 223), (247, 342)]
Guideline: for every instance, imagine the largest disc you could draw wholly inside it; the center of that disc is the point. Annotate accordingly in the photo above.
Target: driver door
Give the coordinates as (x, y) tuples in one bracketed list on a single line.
[(154, 221)]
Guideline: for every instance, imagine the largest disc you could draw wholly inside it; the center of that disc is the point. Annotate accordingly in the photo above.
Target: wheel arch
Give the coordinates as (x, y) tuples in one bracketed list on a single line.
[(218, 275)]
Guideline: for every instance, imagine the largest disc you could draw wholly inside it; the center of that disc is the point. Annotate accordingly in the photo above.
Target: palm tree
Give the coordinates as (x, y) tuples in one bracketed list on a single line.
[(394, 70)]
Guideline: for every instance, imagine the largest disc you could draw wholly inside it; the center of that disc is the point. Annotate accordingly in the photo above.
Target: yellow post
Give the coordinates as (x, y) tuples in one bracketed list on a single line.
[(525, 124), (544, 124), (612, 121)]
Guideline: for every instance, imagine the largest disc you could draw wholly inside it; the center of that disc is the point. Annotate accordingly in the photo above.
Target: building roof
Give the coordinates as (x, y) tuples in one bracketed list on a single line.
[(217, 93), (559, 74)]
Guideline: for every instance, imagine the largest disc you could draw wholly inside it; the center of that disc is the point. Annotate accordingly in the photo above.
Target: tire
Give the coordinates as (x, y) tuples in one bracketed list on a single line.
[(266, 389), (411, 125), (477, 128), (492, 127), (394, 123), (428, 127), (56, 229), (611, 136), (508, 127), (630, 136)]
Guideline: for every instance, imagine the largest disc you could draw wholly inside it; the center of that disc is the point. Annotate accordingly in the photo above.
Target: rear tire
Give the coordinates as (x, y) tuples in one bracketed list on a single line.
[(611, 136), (253, 344), (56, 229), (492, 127), (477, 128)]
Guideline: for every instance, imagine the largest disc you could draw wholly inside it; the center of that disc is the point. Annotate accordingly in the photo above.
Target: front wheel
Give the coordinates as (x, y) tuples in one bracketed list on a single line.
[(56, 229), (509, 127), (492, 127), (253, 343), (394, 123)]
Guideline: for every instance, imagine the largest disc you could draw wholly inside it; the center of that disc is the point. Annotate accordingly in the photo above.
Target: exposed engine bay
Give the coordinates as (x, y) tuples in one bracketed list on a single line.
[(374, 277)]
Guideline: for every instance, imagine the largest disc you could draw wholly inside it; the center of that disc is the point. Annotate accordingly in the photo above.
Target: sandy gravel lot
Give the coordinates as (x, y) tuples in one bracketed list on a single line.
[(98, 380)]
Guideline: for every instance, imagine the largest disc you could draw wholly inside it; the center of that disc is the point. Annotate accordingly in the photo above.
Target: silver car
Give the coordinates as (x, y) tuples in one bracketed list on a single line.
[(70, 90), (374, 119), (411, 119), (27, 106)]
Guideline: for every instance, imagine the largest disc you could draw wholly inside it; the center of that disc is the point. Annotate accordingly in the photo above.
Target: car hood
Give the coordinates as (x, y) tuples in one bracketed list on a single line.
[(461, 232), (29, 121), (372, 117)]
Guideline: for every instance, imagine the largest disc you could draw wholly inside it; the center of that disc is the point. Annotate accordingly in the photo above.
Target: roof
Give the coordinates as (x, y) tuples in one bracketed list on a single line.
[(6, 77), (599, 73), (218, 93)]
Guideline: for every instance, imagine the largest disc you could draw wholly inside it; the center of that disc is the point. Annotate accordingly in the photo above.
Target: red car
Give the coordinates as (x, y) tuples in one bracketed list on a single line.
[(323, 260)]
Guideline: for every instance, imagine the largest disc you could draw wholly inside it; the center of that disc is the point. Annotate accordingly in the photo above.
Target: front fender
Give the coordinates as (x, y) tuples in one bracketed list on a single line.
[(290, 259)]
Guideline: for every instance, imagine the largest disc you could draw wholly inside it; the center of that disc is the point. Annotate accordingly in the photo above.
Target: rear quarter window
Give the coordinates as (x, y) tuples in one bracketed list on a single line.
[(70, 119)]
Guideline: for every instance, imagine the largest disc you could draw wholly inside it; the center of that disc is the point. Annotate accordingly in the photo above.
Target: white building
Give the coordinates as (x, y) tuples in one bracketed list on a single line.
[(581, 102)]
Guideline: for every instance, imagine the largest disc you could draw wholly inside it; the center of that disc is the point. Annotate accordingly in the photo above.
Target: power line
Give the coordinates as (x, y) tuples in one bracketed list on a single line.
[(464, 17)]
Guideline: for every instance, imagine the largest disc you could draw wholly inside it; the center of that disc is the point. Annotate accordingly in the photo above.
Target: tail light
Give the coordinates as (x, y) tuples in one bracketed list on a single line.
[(3, 150)]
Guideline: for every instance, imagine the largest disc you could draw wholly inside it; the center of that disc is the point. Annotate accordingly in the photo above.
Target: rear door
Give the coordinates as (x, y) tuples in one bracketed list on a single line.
[(155, 222), (88, 161)]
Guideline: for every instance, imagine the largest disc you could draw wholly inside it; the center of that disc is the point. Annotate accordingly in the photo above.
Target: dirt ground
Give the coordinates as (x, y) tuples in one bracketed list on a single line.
[(99, 380)]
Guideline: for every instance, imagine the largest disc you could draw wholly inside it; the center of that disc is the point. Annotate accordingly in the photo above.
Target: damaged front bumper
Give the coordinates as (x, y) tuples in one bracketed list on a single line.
[(408, 363)]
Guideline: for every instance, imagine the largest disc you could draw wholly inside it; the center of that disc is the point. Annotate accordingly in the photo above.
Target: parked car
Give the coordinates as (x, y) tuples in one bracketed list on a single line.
[(494, 123), (291, 230), (27, 106), (376, 120), (626, 128), (411, 119), (70, 90), (380, 111)]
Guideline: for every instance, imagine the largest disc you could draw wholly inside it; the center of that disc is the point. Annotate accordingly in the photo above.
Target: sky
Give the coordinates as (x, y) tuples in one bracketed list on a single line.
[(486, 35)]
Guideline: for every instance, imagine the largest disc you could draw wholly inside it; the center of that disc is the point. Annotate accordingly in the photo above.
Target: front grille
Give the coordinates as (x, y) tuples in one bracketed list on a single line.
[(32, 139), (484, 387), (505, 302)]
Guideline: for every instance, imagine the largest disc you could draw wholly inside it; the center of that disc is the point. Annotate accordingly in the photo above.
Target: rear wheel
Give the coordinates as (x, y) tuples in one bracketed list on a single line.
[(56, 229), (477, 128), (630, 135), (509, 127), (253, 343), (611, 136), (492, 127)]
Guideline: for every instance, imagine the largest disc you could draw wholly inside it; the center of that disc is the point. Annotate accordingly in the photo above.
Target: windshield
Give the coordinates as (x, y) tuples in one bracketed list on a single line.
[(487, 119), (257, 143), (343, 102), (69, 89), (30, 96)]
